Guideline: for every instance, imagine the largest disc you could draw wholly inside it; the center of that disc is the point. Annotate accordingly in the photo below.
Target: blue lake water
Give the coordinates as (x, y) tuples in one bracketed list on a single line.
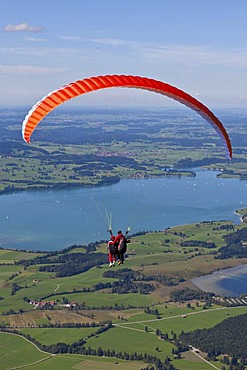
[(234, 285), (52, 220), (229, 282)]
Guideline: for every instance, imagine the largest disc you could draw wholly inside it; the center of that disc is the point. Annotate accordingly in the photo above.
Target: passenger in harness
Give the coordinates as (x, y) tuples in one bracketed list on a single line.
[(121, 243), (112, 251)]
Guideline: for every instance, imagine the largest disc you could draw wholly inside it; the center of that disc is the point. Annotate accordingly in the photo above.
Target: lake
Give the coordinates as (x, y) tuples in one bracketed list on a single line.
[(52, 220), (228, 282)]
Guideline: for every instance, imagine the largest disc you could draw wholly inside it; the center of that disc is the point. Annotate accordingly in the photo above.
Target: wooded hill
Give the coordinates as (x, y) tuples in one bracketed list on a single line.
[(228, 337)]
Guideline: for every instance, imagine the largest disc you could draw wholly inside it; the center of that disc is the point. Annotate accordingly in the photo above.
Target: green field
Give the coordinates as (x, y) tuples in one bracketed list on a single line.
[(159, 255), (49, 336), (8, 256), (124, 337), (159, 141), (149, 254), (15, 351)]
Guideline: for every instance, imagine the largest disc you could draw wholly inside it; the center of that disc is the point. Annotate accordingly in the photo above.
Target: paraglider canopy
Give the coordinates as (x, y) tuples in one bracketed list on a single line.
[(74, 89)]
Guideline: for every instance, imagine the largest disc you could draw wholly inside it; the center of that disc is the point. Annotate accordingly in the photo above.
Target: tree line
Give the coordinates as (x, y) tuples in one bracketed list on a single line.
[(235, 247), (187, 294), (228, 337)]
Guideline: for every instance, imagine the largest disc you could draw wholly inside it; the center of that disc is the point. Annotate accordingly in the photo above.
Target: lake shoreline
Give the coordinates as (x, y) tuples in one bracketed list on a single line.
[(107, 181), (53, 220), (211, 282)]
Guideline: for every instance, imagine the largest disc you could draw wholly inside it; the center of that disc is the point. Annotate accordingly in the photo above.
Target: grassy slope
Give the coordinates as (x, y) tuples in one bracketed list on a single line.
[(16, 351), (150, 254)]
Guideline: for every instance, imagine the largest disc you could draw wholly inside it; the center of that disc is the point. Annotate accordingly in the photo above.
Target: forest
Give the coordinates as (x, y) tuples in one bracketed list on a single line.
[(236, 245), (226, 338)]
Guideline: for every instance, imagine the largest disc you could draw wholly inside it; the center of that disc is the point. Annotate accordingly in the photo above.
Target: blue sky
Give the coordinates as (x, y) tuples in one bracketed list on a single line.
[(198, 46)]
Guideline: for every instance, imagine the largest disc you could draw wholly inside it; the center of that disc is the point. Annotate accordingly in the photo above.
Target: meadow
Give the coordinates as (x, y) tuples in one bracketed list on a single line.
[(158, 254), (95, 149), (127, 337)]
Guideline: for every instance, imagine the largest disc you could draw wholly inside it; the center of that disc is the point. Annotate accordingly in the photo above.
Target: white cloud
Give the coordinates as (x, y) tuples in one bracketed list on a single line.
[(21, 69), (155, 53), (179, 54), (22, 27), (34, 39), (42, 52), (114, 42), (70, 38), (194, 54)]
